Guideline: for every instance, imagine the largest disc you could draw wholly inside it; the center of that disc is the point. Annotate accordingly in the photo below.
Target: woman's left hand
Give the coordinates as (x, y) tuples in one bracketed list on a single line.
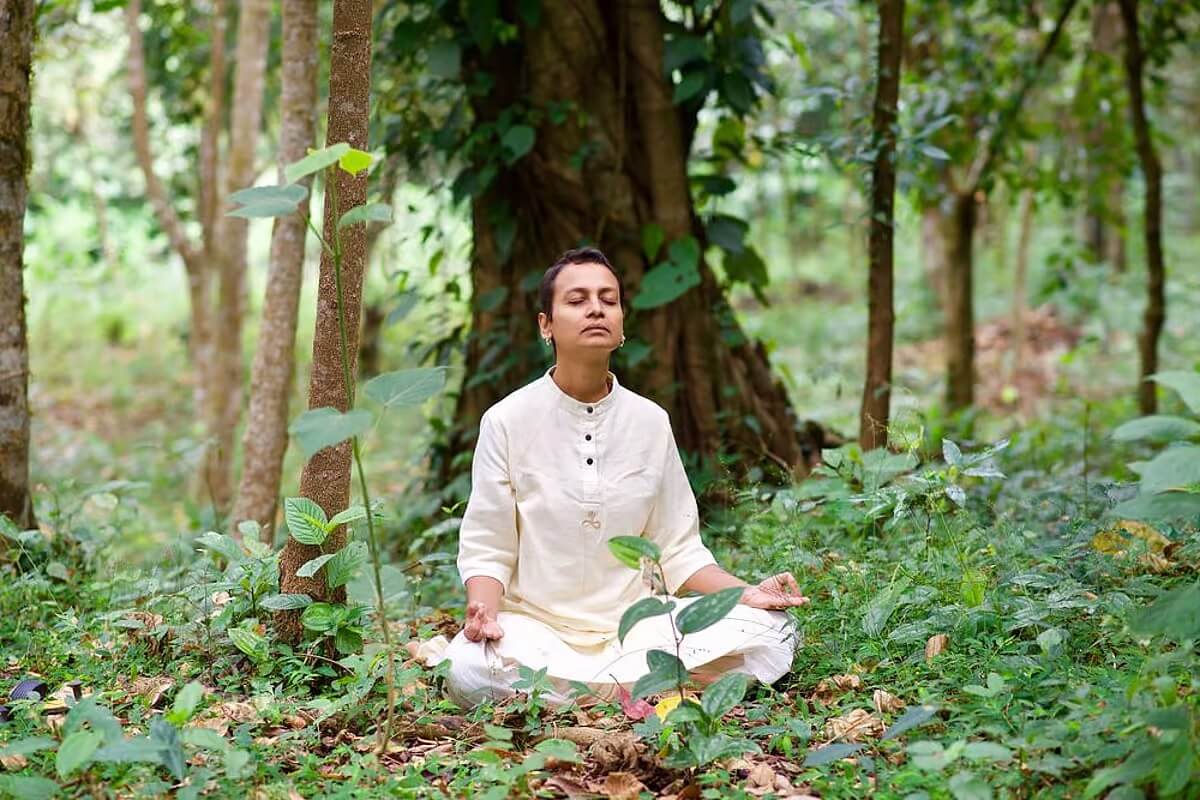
[(778, 591)]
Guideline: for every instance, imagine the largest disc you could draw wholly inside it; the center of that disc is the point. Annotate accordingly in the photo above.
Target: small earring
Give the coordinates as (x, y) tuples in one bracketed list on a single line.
[(546, 341), (622, 344)]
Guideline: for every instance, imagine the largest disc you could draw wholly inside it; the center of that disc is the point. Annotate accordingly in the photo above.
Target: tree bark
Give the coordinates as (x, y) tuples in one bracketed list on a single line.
[(265, 439), (959, 232), (326, 476), (16, 42), (254, 19), (1155, 314), (877, 390), (1103, 234), (714, 382)]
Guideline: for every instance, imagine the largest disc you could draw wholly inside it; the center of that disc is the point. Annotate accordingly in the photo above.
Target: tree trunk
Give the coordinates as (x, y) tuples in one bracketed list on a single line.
[(326, 476), (1102, 228), (877, 390), (265, 440), (934, 255), (254, 19), (1155, 314), (16, 42), (606, 58), (959, 232)]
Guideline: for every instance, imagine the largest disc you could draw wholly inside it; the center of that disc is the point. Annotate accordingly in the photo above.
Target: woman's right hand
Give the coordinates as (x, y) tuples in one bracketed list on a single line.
[(480, 626)]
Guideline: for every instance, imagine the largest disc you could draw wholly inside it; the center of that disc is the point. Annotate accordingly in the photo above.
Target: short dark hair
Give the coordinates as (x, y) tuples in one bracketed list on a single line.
[(579, 255)]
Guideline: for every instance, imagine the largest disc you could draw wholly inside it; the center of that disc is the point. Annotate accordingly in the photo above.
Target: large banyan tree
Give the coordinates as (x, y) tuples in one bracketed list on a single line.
[(571, 123)]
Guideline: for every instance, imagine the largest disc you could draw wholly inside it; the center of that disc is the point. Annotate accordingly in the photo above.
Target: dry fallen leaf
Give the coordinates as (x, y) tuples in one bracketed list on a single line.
[(830, 688), (762, 775), (886, 702), (622, 786), (936, 645), (14, 762), (151, 689), (856, 725)]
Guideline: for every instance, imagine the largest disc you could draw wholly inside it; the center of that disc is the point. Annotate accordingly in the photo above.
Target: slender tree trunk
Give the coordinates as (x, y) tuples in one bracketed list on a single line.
[(1155, 314), (960, 304), (1020, 302), (254, 19), (16, 42), (326, 476), (1101, 225), (606, 58), (877, 391), (265, 439)]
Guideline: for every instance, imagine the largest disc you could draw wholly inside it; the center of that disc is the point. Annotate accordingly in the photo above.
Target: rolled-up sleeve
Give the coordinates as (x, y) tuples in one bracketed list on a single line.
[(674, 522), (487, 539)]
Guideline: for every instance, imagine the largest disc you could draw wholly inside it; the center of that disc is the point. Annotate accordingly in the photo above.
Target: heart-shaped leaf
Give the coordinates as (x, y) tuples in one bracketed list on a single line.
[(645, 608), (370, 212), (324, 427), (630, 550), (405, 387), (315, 161)]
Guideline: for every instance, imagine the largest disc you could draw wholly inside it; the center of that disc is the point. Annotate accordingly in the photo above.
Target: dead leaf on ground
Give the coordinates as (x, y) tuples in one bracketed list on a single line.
[(854, 726), (14, 762), (219, 717), (936, 645), (615, 752), (885, 702), (568, 786), (829, 688), (761, 779), (151, 688), (622, 786)]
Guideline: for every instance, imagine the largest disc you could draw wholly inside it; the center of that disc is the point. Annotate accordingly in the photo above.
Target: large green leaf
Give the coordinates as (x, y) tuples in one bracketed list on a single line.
[(267, 201), (1175, 467), (252, 643), (315, 161), (368, 212), (310, 567), (645, 608), (720, 697), (662, 661), (914, 716), (1161, 507), (76, 751), (691, 85), (97, 717), (1157, 427), (664, 283), (137, 749), (305, 520), (28, 787), (518, 141), (655, 683), (186, 701), (1186, 384), (406, 387), (629, 550), (285, 602), (319, 617), (708, 610), (830, 753), (1175, 615), (324, 427), (345, 563)]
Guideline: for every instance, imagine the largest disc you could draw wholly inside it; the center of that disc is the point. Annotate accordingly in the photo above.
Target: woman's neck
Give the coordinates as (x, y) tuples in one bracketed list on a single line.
[(587, 383)]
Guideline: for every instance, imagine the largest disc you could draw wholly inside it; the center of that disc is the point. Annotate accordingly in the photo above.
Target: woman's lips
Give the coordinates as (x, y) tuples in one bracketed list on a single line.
[(596, 328)]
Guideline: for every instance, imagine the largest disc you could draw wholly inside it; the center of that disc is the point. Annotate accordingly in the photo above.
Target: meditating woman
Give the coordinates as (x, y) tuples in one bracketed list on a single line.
[(562, 465)]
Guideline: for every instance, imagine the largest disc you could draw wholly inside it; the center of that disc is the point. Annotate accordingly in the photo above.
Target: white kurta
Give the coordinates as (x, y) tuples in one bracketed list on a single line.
[(553, 479)]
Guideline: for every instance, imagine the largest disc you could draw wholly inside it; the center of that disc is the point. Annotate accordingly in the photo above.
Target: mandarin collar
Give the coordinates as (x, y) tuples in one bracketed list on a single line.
[(591, 411)]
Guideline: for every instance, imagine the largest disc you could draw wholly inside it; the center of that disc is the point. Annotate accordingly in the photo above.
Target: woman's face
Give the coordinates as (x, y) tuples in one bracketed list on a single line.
[(587, 310)]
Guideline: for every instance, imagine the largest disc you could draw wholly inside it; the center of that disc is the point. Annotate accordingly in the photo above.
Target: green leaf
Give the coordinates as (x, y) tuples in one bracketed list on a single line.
[(727, 233), (291, 193), (76, 751), (913, 717), (830, 753), (315, 160), (663, 283), (28, 746), (708, 610), (235, 763), (88, 711), (186, 701), (319, 617), (987, 751), (951, 453), (368, 212), (253, 644), (1186, 385), (138, 749), (170, 748), (285, 602), (747, 267), (354, 161), (560, 749), (655, 683), (1157, 428), (1174, 615), (204, 738), (309, 568), (348, 641), (653, 237), (679, 51), (222, 545), (518, 141), (351, 514), (691, 85), (721, 696), (1162, 507), (274, 208), (685, 253), (406, 387), (687, 711), (630, 550), (1174, 467), (662, 661), (305, 520), (969, 786), (324, 427), (645, 608), (345, 563), (26, 787)]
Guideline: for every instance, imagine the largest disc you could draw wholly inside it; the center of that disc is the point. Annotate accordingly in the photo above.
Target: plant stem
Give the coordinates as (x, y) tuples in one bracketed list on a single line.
[(385, 733)]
